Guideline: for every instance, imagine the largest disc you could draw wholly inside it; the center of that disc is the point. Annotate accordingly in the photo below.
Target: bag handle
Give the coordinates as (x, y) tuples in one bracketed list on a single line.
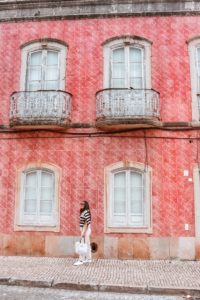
[(82, 239)]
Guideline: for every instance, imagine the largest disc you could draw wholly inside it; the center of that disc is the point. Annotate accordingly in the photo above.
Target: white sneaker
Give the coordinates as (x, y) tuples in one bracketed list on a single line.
[(87, 261), (78, 263)]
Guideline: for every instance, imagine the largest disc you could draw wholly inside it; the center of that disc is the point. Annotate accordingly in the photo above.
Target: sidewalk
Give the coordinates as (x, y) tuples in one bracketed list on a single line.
[(146, 277)]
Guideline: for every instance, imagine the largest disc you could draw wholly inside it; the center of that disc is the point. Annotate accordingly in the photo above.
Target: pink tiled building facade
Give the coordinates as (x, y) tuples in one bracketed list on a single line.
[(100, 102)]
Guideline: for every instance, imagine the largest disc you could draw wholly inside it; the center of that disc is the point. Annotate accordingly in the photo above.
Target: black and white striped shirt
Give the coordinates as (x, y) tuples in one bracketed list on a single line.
[(85, 217)]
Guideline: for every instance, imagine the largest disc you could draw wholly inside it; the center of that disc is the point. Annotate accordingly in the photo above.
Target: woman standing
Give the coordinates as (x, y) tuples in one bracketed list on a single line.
[(85, 228)]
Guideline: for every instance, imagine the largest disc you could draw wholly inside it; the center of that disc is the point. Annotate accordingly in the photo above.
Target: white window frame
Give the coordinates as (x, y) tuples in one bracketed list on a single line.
[(43, 45), (196, 175), (146, 171), (192, 47), (143, 44), (52, 223)]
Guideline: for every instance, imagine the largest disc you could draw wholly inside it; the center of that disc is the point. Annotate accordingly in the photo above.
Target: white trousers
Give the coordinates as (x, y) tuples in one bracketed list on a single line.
[(87, 241)]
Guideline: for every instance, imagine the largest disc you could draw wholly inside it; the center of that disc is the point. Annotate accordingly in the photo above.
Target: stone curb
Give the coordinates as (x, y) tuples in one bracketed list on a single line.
[(173, 291), (123, 289), (97, 287), (4, 280), (30, 283), (76, 286)]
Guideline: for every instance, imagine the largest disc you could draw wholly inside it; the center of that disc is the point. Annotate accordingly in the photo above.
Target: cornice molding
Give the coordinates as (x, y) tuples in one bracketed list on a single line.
[(11, 10)]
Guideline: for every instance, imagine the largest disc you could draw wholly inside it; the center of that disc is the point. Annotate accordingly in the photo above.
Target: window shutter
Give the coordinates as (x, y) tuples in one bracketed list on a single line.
[(136, 68), (119, 199), (46, 203), (136, 199), (51, 81), (198, 68), (34, 71), (29, 214), (118, 68)]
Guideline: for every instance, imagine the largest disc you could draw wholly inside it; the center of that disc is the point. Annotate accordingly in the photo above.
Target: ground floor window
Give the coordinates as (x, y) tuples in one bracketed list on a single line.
[(38, 199), (128, 197), (196, 175)]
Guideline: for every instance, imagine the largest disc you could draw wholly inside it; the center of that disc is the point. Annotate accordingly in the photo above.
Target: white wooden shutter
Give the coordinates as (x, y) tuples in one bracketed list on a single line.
[(29, 206), (198, 68), (119, 199), (51, 80), (118, 68), (34, 71), (46, 198), (136, 72), (136, 199)]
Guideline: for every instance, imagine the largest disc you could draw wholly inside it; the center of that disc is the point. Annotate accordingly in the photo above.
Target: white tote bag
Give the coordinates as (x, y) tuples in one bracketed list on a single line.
[(81, 248)]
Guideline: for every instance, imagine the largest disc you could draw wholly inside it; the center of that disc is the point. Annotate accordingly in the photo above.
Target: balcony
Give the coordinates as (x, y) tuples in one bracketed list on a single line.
[(40, 108), (127, 108)]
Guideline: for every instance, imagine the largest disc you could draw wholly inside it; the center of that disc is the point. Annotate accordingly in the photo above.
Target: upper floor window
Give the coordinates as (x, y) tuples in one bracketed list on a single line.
[(37, 202), (128, 198), (194, 52), (127, 63), (43, 66), (127, 67), (198, 67)]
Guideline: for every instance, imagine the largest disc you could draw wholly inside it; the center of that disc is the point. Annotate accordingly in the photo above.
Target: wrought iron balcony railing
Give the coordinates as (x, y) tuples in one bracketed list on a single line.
[(127, 104), (40, 107)]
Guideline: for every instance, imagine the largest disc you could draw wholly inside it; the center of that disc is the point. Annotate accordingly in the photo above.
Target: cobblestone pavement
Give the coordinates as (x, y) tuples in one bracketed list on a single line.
[(24, 293), (103, 275)]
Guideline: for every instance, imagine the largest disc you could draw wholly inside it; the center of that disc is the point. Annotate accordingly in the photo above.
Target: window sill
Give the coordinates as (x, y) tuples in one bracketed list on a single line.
[(129, 230), (36, 228)]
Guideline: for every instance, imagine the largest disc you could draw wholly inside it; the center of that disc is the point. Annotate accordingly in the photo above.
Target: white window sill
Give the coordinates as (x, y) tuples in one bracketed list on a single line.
[(36, 228), (128, 230)]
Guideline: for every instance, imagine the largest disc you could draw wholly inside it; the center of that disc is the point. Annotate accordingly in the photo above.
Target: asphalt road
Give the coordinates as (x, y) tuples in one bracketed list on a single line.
[(24, 293)]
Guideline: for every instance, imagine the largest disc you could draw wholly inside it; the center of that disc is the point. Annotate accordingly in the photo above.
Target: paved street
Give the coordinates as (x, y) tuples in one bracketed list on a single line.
[(24, 293), (103, 275)]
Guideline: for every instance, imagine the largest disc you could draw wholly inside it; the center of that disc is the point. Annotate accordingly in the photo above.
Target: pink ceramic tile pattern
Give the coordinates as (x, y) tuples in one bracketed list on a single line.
[(83, 159)]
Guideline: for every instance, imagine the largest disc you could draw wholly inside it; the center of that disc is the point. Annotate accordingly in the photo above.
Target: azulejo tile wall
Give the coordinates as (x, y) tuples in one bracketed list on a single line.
[(83, 159)]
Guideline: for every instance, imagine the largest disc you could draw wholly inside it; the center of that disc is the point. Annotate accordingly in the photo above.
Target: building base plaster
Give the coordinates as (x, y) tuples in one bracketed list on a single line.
[(183, 248)]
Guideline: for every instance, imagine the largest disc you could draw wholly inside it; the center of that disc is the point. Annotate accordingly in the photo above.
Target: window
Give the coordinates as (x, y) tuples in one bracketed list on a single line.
[(43, 66), (128, 198), (194, 52), (127, 67), (38, 197), (127, 63), (43, 70), (37, 202), (196, 175), (198, 67)]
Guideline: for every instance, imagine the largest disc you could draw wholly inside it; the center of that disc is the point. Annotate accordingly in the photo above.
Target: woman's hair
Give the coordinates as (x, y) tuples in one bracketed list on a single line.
[(85, 207)]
